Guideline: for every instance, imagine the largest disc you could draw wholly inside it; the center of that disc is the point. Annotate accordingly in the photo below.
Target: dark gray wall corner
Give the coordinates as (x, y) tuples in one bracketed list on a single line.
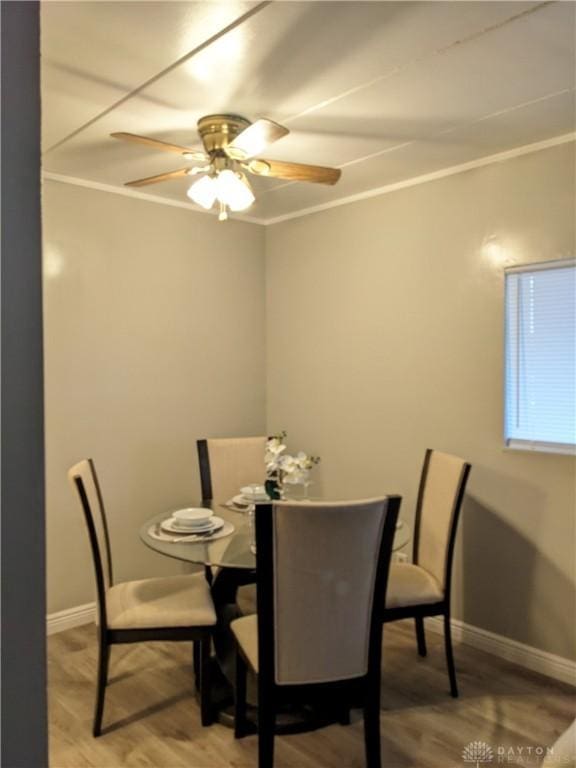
[(24, 728)]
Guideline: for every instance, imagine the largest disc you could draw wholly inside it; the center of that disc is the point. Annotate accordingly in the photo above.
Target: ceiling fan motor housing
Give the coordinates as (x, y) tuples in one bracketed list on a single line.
[(217, 131)]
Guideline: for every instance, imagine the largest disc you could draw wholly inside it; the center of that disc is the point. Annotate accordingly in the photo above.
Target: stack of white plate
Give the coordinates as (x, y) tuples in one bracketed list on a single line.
[(192, 520), (254, 493)]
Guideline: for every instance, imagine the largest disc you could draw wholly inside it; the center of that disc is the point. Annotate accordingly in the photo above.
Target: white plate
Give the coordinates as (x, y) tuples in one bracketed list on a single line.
[(185, 528), (200, 538), (171, 525), (250, 495), (242, 501)]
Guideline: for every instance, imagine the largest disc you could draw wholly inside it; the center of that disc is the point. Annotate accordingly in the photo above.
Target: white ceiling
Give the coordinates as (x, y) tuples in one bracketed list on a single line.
[(387, 91)]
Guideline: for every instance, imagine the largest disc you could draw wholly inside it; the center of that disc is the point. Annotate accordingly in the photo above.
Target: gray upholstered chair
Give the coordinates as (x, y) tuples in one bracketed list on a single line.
[(228, 463), (176, 608), (318, 632), (422, 588)]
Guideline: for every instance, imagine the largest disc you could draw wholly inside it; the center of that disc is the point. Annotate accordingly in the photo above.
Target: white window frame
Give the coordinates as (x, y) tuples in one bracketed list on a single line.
[(512, 443)]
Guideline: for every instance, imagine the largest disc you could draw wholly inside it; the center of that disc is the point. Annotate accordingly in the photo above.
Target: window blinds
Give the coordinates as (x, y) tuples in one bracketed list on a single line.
[(540, 365)]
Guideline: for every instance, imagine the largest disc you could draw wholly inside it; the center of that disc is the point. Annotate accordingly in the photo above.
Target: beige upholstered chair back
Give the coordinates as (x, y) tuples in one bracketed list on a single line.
[(325, 559), (443, 481), (93, 508), (235, 462)]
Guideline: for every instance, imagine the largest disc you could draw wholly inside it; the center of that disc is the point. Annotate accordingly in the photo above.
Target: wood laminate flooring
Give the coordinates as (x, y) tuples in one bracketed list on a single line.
[(151, 717)]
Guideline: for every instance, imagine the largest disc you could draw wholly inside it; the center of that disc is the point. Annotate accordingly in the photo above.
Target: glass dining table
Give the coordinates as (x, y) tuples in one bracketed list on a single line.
[(230, 552), (230, 564)]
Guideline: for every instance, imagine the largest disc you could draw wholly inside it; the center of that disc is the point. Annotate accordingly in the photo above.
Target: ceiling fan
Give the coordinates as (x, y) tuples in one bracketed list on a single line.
[(230, 145)]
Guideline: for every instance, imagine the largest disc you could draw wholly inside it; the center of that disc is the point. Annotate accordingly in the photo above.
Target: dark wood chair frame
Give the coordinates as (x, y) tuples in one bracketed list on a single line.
[(199, 636), (442, 608), (362, 691), (205, 474)]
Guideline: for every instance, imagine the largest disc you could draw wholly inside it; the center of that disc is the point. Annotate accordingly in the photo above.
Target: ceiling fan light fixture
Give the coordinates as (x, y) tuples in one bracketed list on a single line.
[(233, 190), (203, 192), (230, 144), (223, 213), (230, 189)]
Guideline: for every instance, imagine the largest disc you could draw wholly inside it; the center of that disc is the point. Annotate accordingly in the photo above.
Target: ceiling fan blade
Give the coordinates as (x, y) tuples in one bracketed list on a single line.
[(277, 169), (254, 139), (190, 154), (160, 177)]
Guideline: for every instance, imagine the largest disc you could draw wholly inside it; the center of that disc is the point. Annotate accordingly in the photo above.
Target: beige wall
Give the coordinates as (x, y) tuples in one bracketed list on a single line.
[(385, 328), (384, 336), (154, 323)]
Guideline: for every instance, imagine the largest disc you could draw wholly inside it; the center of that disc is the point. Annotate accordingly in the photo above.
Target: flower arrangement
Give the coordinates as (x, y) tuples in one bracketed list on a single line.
[(283, 468)]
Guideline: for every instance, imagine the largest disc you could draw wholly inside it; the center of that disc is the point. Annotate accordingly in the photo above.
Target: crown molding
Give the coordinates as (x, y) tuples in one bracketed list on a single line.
[(376, 192), (416, 180), (134, 193)]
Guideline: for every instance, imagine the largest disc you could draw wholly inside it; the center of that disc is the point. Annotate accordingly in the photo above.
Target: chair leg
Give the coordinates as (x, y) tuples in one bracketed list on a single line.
[(372, 727), (266, 728), (240, 698), (204, 664), (450, 656), (344, 716), (208, 574), (420, 635), (196, 653), (101, 682)]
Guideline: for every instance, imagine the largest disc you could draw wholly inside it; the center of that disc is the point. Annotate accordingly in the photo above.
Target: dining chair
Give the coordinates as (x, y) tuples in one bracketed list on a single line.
[(228, 463), (423, 588), (171, 608), (318, 632)]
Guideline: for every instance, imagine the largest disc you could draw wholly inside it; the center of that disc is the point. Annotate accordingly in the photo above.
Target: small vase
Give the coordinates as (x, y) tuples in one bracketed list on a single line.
[(274, 488)]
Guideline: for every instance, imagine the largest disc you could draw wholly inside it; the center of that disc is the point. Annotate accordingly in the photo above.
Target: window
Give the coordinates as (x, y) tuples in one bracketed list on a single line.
[(540, 366)]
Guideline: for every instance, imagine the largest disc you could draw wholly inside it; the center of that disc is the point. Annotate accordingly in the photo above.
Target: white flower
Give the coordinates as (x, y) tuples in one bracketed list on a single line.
[(275, 445), (303, 460), (273, 454), (280, 465), (288, 464), (298, 477)]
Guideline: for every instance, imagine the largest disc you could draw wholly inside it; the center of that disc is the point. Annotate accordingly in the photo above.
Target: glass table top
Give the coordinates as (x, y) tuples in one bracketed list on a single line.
[(232, 551)]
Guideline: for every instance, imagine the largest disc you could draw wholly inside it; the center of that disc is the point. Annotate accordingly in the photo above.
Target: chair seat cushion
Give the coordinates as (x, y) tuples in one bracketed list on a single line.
[(246, 633), (171, 601), (246, 599), (410, 584)]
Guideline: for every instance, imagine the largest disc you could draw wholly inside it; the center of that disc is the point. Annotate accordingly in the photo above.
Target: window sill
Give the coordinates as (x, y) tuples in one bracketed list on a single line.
[(537, 446)]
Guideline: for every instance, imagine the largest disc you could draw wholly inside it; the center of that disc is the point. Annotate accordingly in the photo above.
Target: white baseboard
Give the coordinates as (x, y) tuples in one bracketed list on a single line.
[(511, 650), (71, 617), (526, 656)]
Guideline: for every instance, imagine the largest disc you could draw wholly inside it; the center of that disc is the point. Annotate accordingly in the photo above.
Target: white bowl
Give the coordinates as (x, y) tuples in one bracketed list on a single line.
[(191, 517)]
